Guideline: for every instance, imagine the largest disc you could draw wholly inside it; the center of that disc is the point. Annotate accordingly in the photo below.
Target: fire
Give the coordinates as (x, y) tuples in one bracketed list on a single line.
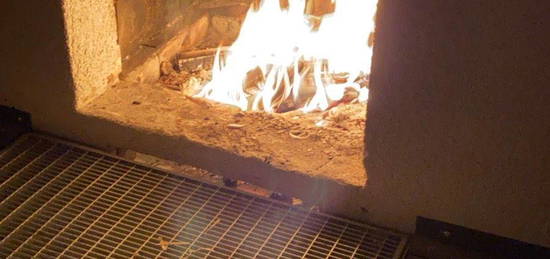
[(281, 57)]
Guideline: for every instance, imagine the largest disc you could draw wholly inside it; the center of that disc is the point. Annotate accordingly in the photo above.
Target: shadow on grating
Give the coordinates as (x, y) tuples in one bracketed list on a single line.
[(58, 199)]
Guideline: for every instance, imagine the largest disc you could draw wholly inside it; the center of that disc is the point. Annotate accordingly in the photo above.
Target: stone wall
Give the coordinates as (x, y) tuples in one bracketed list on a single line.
[(93, 46)]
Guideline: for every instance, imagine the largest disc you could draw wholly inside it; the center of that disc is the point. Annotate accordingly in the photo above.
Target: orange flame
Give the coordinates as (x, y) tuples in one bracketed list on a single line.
[(276, 43)]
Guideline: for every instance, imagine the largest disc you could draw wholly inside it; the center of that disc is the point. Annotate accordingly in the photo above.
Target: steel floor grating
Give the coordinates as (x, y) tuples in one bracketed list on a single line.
[(62, 200)]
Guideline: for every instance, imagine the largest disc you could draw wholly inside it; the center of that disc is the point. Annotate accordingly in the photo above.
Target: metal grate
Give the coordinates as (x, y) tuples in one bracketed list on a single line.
[(59, 199)]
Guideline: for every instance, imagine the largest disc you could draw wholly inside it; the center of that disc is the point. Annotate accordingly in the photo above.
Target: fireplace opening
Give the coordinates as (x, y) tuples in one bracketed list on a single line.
[(284, 82)]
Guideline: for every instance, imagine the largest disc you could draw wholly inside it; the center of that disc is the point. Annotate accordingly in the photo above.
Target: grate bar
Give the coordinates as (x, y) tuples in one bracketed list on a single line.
[(59, 199), (146, 217), (42, 208), (225, 232), (250, 231), (11, 179), (127, 213), (21, 206), (271, 234), (165, 221), (4, 208), (190, 220), (207, 228), (75, 199), (17, 156), (102, 214)]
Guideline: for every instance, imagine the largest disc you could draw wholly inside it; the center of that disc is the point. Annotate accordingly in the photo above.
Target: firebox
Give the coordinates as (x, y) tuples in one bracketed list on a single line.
[(275, 84)]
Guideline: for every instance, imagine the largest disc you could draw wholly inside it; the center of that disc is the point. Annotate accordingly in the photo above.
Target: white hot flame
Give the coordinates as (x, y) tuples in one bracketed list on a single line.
[(276, 42)]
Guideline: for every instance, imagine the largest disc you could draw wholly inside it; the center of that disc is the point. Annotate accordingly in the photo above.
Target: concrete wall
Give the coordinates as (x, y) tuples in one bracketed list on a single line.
[(44, 44), (35, 72), (459, 116), (458, 112)]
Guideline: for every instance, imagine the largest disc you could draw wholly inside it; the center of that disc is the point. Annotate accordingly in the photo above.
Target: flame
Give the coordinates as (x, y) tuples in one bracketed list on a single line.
[(283, 50)]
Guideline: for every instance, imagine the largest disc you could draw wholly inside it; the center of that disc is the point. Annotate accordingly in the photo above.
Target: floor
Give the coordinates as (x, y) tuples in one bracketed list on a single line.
[(419, 247), (62, 199), (424, 248)]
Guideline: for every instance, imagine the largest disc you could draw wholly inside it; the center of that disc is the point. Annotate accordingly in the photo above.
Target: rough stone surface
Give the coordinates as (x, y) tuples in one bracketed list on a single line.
[(226, 27), (290, 141), (145, 25), (95, 55), (149, 70)]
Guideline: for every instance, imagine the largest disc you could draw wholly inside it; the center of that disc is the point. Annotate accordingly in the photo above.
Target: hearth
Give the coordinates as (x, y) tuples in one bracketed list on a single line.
[(283, 83)]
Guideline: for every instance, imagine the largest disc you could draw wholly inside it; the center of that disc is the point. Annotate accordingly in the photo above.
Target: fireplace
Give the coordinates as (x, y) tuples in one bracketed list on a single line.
[(272, 83), (455, 112)]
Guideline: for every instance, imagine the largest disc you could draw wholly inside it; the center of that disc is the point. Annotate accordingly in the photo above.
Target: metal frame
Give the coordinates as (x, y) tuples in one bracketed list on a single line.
[(75, 201)]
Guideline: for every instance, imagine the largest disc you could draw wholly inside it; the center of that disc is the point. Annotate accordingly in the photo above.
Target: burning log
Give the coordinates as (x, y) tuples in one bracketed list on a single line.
[(201, 52), (320, 7), (212, 4), (253, 78), (350, 94), (278, 76)]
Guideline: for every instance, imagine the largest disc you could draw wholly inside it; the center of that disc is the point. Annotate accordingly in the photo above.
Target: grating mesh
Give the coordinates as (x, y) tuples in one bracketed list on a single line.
[(58, 199)]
